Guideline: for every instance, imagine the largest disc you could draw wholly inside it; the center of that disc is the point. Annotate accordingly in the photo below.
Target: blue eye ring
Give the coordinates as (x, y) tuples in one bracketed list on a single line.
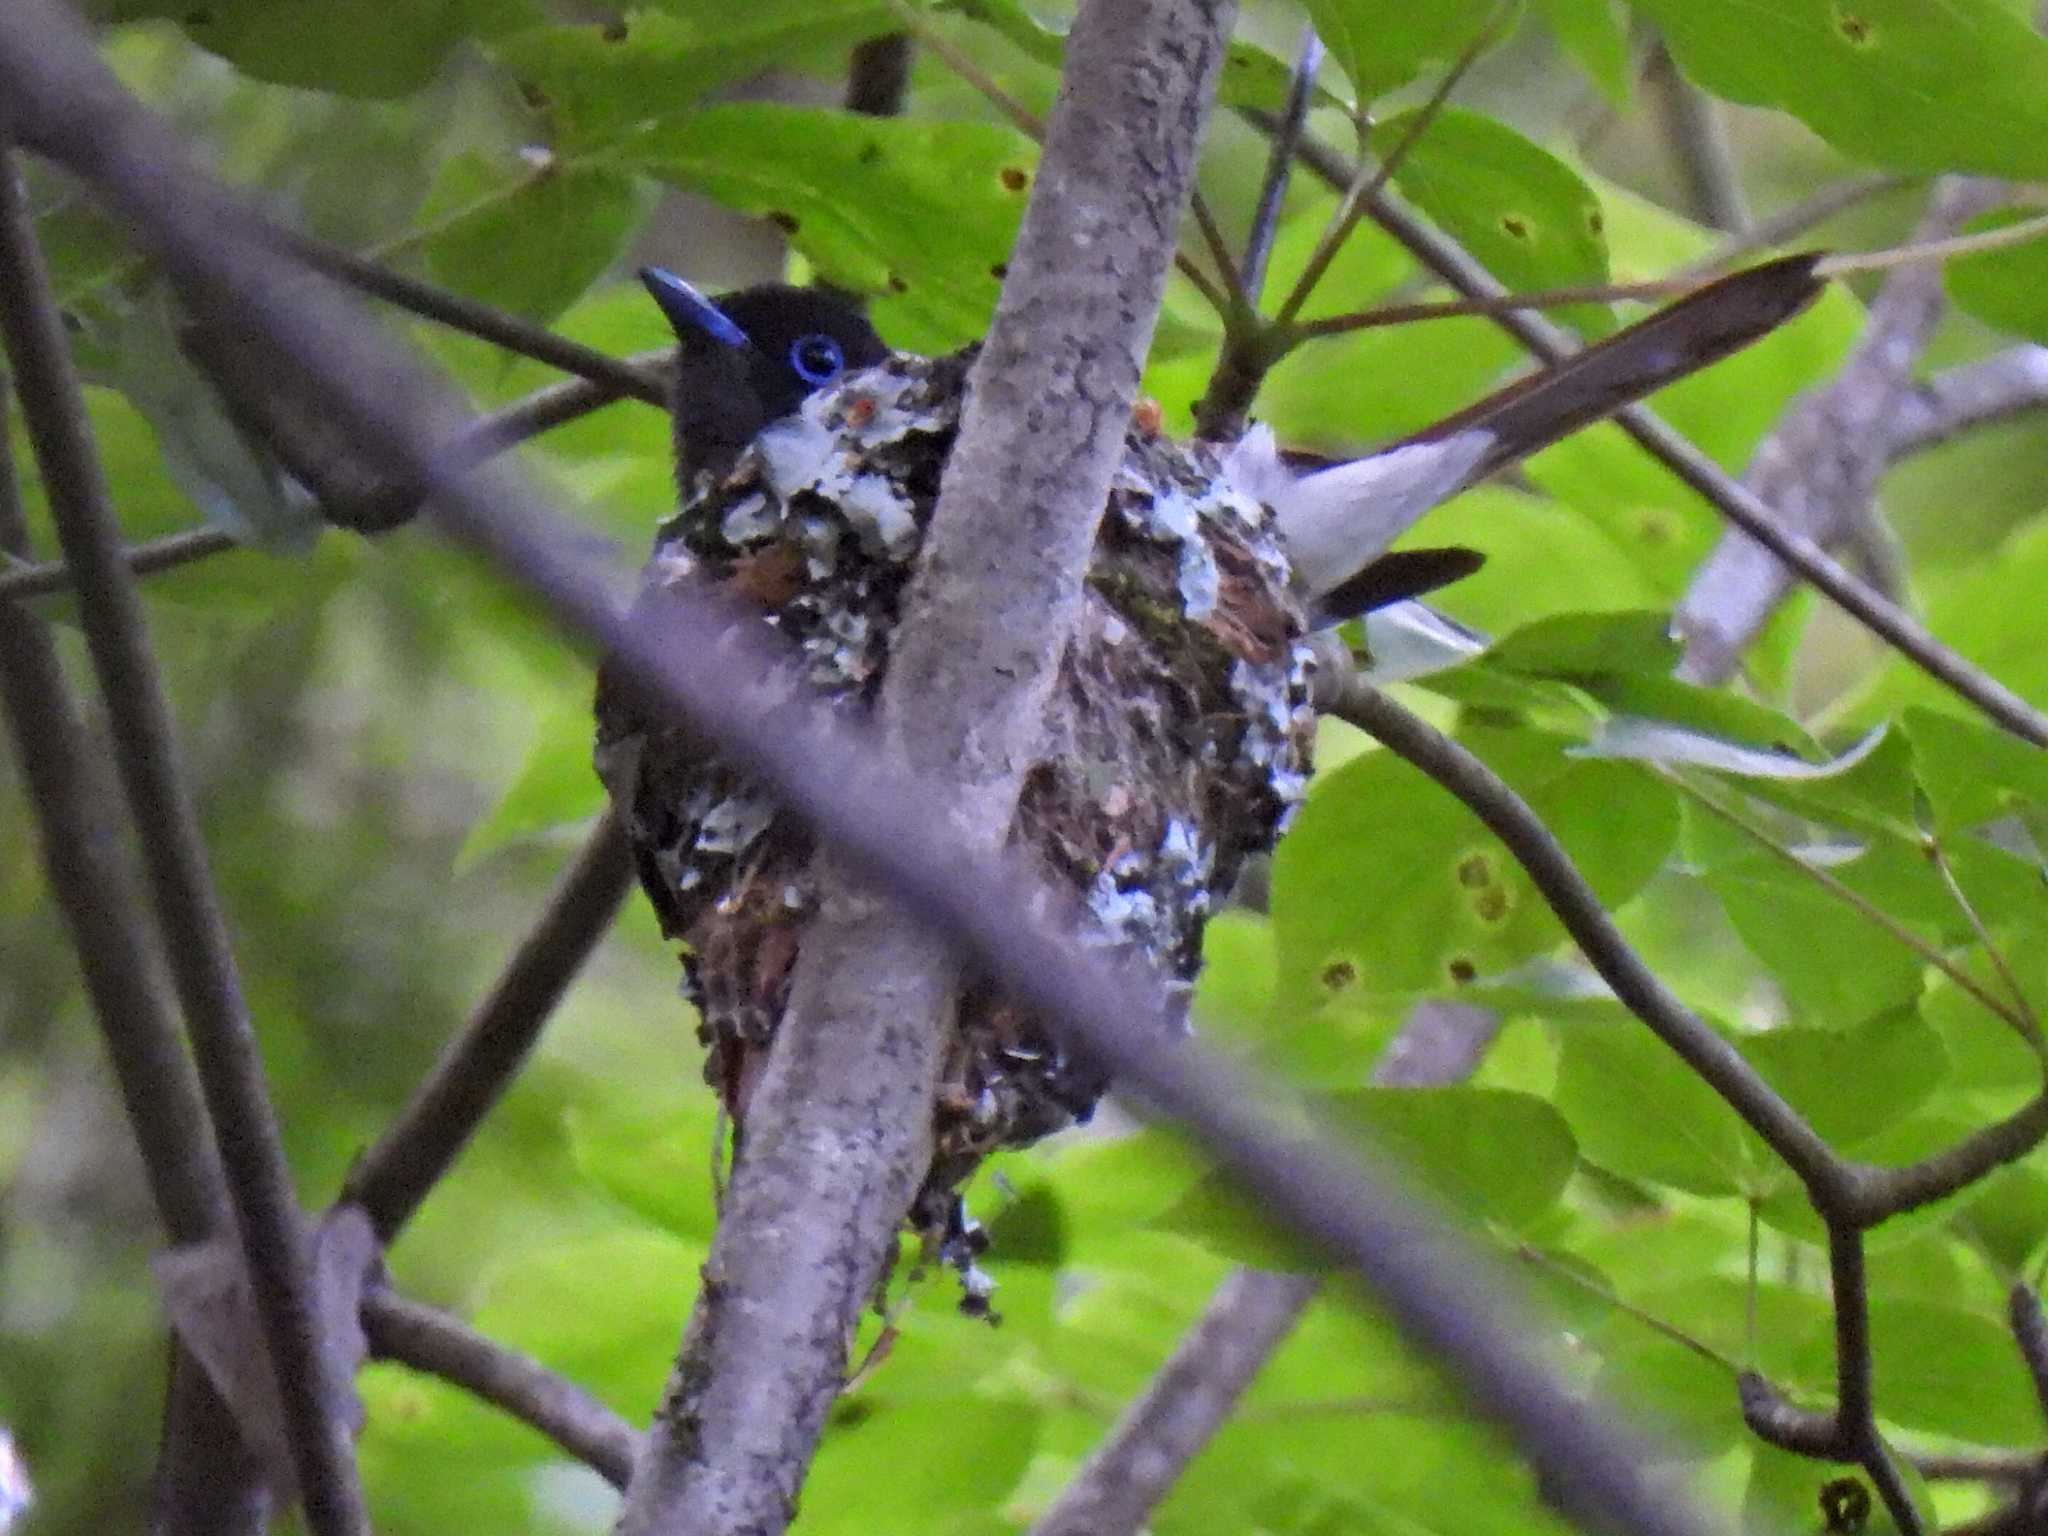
[(816, 358)]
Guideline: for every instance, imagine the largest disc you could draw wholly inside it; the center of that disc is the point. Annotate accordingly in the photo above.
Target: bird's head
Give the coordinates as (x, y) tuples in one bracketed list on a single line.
[(750, 358)]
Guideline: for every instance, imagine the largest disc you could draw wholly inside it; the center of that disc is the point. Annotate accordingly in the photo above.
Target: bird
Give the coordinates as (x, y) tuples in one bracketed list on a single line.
[(808, 457)]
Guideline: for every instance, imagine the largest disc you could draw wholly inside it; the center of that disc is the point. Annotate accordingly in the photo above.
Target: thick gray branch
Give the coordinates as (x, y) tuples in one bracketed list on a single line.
[(1819, 468), (838, 1131), (1970, 395)]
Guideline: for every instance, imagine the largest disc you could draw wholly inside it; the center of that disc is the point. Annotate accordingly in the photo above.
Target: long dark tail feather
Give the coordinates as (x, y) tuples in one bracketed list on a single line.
[(1700, 329)]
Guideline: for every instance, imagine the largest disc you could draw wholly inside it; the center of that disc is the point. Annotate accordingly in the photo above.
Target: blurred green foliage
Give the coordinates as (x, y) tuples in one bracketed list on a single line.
[(391, 753)]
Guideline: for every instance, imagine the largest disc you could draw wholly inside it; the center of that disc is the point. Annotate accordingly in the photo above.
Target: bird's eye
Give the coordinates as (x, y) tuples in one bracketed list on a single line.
[(816, 358)]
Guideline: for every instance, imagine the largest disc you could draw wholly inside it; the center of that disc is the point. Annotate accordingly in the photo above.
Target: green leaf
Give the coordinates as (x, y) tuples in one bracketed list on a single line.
[(1487, 1153), (1383, 44), (948, 1459), (2006, 289), (1386, 884), (658, 1166), (1595, 34), (920, 214), (1837, 967), (1962, 86), (1946, 1371), (356, 47), (1853, 1084), (1974, 774), (1526, 215), (1577, 647), (598, 82), (534, 251), (1637, 1110), (614, 1339), (1236, 1225), (556, 785)]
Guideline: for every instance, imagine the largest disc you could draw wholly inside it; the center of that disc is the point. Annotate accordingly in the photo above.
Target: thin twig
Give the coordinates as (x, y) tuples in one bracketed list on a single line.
[(1855, 1406), (1572, 1275), (895, 824), (1792, 222), (1367, 184), (1265, 225), (39, 578), (470, 316), (1219, 250), (1858, 903), (2028, 1022), (396, 1174), (188, 909), (1446, 309), (427, 1339)]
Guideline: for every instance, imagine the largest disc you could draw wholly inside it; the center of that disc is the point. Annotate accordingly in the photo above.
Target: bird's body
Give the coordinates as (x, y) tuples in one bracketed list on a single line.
[(1178, 738)]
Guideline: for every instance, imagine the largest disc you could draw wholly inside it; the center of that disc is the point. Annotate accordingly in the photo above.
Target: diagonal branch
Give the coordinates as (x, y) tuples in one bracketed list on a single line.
[(1819, 467), (188, 911), (394, 1176), (427, 1339), (206, 1482)]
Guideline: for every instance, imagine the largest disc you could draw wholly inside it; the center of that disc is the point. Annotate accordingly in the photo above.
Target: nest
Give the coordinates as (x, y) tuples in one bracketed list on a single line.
[(1176, 741)]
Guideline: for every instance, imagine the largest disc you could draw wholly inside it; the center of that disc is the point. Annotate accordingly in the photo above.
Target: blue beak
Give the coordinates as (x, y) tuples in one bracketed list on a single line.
[(689, 312)]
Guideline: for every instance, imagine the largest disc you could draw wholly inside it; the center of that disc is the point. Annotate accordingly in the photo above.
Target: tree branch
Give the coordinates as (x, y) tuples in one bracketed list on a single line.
[(427, 1339), (838, 1129), (1970, 395), (1819, 467), (623, 378), (188, 912), (391, 1179), (708, 668), (206, 1482)]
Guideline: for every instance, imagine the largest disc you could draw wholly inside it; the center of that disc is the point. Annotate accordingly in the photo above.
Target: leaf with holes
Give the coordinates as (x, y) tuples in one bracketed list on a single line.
[(1388, 884), (1383, 44), (1521, 211), (919, 214), (598, 82), (1959, 86)]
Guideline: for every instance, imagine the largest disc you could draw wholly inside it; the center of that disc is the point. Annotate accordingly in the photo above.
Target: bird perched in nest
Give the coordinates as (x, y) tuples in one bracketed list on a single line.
[(1177, 742)]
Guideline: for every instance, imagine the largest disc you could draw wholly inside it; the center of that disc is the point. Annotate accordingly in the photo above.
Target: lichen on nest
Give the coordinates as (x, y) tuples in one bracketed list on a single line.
[(1176, 742)]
